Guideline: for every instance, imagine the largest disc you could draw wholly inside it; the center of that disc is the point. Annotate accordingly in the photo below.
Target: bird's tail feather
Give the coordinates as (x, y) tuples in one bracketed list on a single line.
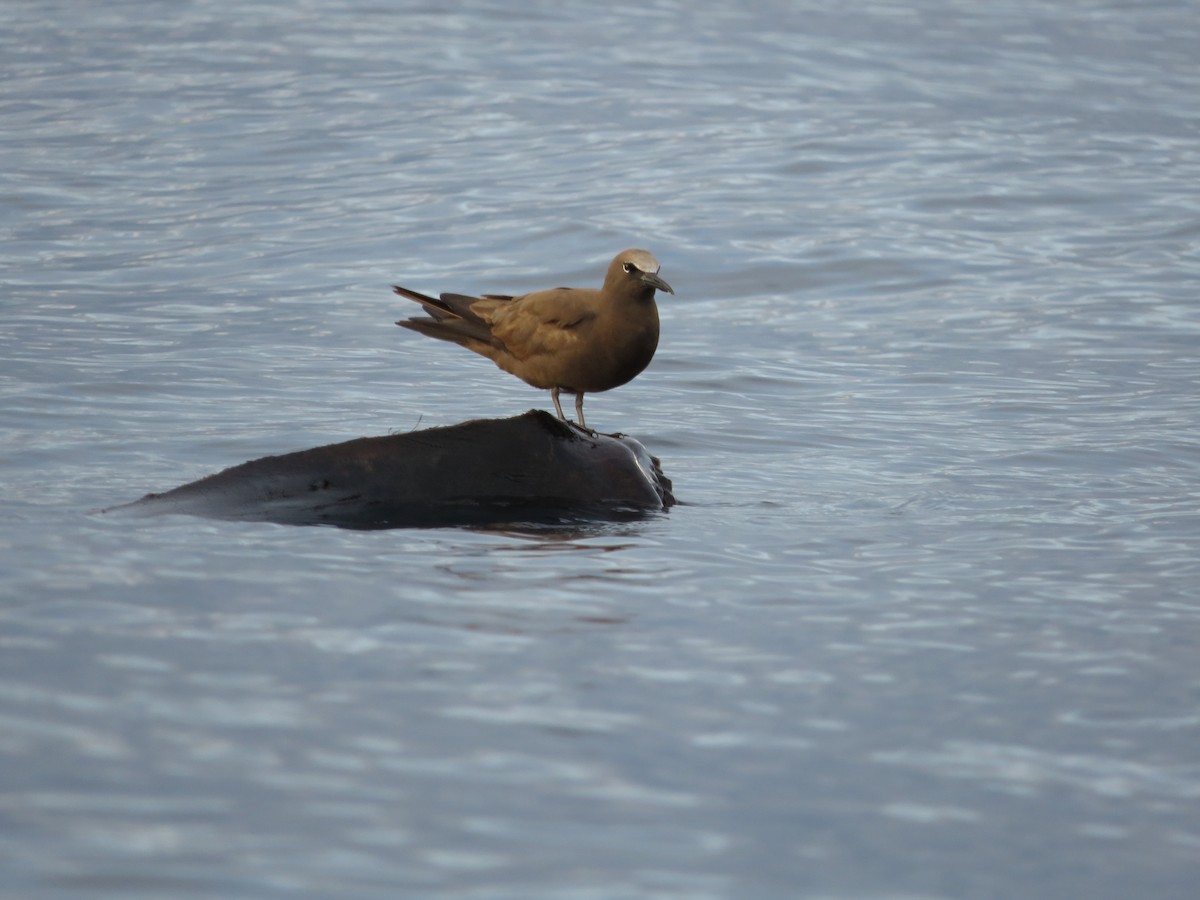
[(455, 330), (450, 317)]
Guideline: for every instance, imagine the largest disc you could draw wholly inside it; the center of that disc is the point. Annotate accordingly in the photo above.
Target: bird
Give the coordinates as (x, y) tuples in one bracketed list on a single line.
[(578, 340)]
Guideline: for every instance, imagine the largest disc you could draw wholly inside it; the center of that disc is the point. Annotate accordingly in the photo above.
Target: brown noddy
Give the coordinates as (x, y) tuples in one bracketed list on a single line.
[(578, 340)]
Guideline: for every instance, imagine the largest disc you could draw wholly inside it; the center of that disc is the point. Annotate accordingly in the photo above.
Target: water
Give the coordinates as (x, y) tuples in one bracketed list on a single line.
[(926, 622)]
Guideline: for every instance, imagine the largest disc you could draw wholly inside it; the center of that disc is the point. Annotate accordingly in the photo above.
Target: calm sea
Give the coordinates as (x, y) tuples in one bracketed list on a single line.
[(927, 622)]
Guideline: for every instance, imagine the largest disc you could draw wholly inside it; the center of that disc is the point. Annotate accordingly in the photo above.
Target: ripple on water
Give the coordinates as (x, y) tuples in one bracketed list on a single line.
[(928, 393)]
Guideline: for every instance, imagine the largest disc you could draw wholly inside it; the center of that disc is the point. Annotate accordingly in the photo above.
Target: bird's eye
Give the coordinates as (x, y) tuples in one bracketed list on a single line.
[(629, 267)]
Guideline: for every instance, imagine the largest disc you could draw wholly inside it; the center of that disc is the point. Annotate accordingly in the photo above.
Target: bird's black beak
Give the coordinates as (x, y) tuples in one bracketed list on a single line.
[(653, 280)]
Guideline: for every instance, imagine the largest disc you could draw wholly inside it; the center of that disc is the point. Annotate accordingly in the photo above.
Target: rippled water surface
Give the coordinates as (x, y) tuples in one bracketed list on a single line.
[(926, 622)]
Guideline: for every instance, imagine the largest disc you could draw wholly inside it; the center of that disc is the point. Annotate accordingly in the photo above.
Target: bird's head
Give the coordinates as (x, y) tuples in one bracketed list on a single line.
[(638, 269)]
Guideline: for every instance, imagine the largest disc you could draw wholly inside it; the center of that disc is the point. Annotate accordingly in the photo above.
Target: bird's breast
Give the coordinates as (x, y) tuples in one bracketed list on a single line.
[(615, 357)]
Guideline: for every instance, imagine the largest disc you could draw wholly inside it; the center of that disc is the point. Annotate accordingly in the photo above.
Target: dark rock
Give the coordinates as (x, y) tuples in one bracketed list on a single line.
[(530, 468)]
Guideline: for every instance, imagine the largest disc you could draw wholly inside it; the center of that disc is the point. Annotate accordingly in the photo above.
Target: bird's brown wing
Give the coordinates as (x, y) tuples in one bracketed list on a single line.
[(546, 322)]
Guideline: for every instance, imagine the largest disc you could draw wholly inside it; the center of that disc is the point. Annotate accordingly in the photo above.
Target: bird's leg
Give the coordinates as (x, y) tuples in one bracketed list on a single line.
[(579, 408), (557, 405)]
